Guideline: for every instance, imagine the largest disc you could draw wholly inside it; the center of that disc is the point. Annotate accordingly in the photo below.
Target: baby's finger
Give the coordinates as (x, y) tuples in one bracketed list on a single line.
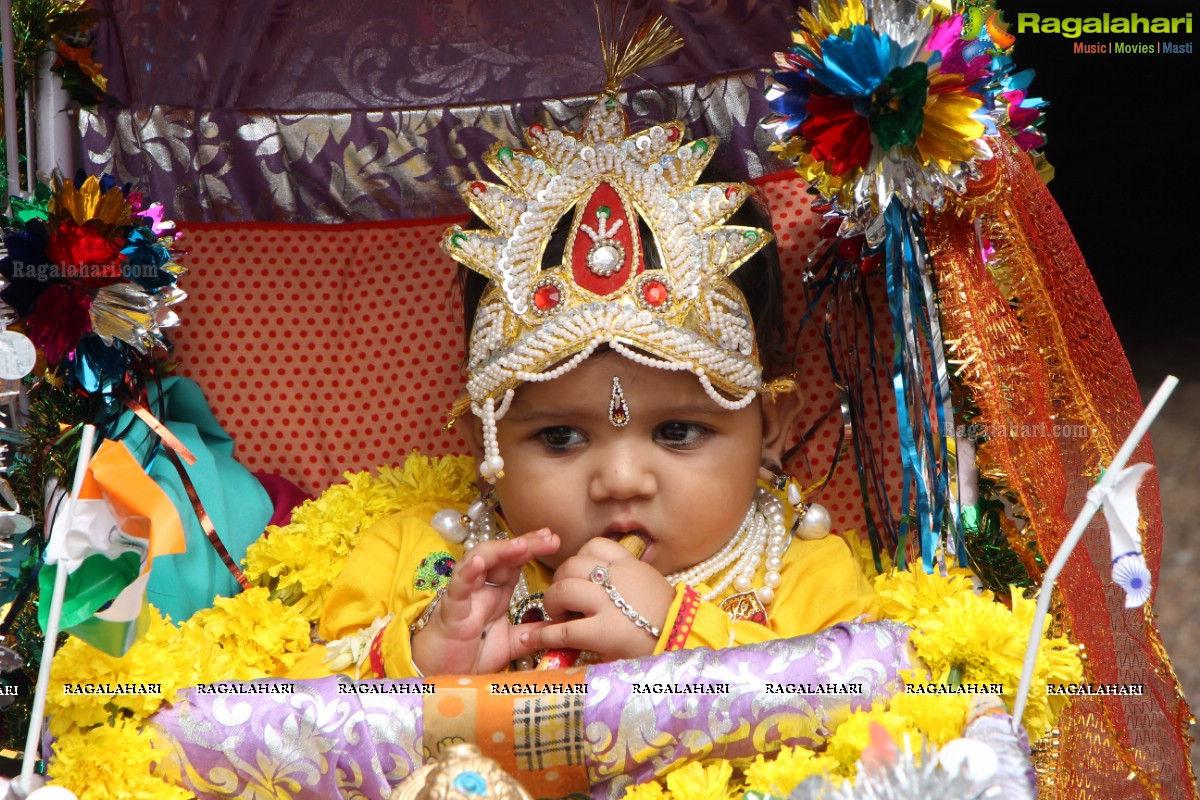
[(520, 642), (586, 633), (573, 595), (524, 548), (467, 577)]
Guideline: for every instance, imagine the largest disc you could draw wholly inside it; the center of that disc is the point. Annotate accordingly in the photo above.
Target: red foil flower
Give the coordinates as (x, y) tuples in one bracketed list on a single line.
[(840, 136), (83, 255), (60, 318)]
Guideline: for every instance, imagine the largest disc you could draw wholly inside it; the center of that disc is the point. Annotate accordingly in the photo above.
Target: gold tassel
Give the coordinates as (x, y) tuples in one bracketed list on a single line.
[(626, 53)]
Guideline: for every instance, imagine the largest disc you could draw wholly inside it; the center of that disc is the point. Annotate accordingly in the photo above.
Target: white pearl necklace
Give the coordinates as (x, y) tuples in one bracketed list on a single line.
[(761, 540)]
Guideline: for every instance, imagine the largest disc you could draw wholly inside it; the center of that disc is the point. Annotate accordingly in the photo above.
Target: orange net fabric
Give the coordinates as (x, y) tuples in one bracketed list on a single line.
[(1057, 398)]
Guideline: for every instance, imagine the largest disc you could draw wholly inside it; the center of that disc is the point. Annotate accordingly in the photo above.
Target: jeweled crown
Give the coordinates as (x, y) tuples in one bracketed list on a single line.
[(677, 310)]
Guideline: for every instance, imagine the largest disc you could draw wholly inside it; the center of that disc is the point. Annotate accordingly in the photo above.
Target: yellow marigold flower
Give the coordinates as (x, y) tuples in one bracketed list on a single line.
[(111, 762), (905, 594), (261, 636), (977, 634), (783, 772), (696, 781), (158, 658), (650, 790), (852, 736), (939, 717)]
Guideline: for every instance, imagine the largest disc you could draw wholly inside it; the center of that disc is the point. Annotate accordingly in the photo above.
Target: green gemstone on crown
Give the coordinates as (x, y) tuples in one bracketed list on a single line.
[(604, 211), (458, 239), (505, 154)]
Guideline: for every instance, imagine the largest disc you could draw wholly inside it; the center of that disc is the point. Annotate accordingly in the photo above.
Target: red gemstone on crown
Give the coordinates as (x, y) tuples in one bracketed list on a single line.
[(478, 187), (655, 293), (731, 192), (546, 297), (536, 129), (672, 133)]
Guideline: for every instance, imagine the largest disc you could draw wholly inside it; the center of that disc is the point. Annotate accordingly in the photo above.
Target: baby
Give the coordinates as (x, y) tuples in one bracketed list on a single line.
[(623, 343)]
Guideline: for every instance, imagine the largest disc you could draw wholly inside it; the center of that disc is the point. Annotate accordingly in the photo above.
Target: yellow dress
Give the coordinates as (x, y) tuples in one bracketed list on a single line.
[(398, 564)]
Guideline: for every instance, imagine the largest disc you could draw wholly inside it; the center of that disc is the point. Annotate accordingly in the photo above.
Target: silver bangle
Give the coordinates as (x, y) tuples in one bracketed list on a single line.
[(599, 575), (427, 614)]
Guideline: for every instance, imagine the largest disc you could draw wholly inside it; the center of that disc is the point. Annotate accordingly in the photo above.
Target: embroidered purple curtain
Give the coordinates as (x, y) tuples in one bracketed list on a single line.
[(299, 111)]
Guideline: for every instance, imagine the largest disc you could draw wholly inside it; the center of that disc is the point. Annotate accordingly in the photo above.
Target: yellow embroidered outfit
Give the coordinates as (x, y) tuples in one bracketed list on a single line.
[(394, 569)]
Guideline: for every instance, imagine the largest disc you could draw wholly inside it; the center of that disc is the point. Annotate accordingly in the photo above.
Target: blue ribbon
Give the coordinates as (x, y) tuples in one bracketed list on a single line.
[(916, 336)]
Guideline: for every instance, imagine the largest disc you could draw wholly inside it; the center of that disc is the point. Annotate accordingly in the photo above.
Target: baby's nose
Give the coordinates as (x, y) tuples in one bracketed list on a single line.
[(620, 474)]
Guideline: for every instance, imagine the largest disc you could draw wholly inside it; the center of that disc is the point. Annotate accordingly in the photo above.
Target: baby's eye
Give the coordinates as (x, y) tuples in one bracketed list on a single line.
[(560, 437), (681, 434)]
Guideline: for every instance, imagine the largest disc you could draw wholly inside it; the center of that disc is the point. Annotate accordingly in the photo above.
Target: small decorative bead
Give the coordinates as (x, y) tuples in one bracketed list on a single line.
[(766, 595), (546, 297), (655, 293)]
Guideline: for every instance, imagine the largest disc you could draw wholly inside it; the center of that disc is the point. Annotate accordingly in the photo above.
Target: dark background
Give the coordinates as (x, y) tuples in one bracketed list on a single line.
[(1123, 140)]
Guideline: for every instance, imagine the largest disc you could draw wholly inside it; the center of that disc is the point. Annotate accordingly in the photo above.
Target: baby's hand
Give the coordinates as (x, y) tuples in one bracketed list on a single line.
[(469, 633), (593, 620)]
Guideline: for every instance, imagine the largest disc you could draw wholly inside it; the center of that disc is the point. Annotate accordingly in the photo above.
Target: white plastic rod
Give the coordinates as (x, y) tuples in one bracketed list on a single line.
[(38, 711), (8, 42), (1089, 510), (54, 140)]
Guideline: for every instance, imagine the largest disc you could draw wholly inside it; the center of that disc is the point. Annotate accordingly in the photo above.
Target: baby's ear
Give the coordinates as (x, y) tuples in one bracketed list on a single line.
[(780, 413)]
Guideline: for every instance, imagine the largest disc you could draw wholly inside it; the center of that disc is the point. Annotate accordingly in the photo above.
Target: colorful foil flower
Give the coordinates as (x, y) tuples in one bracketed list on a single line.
[(881, 99), (91, 273)]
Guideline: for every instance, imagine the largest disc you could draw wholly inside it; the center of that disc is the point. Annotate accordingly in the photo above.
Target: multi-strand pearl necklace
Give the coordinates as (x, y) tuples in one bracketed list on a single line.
[(761, 540)]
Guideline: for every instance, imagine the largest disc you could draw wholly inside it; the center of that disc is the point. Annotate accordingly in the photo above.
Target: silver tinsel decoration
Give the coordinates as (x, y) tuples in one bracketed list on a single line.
[(904, 780)]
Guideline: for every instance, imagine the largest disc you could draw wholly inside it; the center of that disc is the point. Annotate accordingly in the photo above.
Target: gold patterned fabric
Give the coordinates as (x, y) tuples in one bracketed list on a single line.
[(1044, 364)]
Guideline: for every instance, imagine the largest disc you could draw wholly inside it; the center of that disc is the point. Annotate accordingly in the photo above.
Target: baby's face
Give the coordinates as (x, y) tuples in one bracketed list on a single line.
[(681, 473)]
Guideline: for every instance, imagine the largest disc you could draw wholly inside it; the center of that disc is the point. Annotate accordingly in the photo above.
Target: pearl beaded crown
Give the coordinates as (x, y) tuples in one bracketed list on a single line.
[(535, 324)]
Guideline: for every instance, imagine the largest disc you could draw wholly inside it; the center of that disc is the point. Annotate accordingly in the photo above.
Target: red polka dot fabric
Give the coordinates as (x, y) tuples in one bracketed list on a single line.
[(324, 349)]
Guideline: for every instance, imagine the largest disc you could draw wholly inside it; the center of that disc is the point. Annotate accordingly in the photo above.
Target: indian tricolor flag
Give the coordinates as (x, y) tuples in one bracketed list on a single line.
[(106, 541)]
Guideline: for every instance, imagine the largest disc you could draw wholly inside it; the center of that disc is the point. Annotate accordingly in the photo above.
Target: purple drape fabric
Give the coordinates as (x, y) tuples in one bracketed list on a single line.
[(301, 56), (241, 110), (320, 741)]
